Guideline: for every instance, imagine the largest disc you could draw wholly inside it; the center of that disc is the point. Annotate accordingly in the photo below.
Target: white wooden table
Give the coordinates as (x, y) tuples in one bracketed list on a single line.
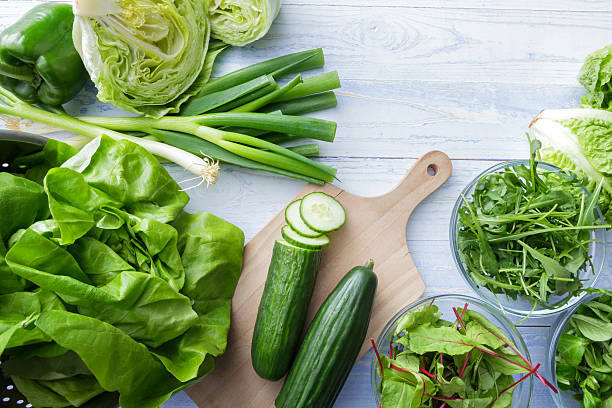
[(465, 77)]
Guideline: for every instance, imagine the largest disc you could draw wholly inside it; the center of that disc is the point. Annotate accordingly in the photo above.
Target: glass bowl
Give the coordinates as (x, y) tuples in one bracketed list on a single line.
[(562, 399), (521, 306), (445, 303)]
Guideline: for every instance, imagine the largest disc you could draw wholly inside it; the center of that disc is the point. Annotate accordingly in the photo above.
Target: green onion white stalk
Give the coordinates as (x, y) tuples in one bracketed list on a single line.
[(249, 147), (202, 168)]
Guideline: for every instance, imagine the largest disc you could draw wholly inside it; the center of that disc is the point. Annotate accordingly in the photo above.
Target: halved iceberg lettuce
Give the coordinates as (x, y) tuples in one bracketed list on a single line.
[(144, 56)]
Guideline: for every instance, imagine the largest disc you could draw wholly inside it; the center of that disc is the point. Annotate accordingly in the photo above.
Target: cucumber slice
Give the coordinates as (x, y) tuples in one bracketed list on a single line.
[(295, 221), (296, 239), (322, 212)]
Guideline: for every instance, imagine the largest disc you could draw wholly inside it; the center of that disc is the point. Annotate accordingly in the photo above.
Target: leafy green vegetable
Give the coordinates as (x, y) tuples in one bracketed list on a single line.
[(250, 147), (584, 353), (119, 290), (579, 140), (596, 77), (21, 203), (199, 143), (144, 56), (12, 105), (526, 232), (19, 311), (433, 362), (118, 362), (240, 22)]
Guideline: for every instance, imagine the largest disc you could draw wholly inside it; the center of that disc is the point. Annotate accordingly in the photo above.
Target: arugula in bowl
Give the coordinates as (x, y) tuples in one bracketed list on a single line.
[(530, 232)]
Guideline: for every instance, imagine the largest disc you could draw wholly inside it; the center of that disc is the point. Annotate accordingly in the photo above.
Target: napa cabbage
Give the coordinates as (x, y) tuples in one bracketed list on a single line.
[(579, 140), (596, 77)]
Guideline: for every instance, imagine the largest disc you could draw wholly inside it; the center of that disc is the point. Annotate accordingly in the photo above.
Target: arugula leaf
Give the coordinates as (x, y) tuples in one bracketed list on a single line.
[(525, 232)]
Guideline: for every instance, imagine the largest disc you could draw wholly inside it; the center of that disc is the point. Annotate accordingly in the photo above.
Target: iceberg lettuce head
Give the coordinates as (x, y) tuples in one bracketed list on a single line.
[(579, 140), (240, 22), (144, 56)]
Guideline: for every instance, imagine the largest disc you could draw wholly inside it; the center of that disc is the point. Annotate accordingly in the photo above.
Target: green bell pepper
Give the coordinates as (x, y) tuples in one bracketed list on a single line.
[(38, 61)]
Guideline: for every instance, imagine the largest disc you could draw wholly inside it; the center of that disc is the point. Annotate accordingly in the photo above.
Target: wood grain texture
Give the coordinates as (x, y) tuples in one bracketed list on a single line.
[(561, 5), (375, 229), (463, 76), (428, 44)]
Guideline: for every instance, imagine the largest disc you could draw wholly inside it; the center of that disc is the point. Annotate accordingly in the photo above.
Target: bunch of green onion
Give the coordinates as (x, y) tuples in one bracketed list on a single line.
[(239, 118)]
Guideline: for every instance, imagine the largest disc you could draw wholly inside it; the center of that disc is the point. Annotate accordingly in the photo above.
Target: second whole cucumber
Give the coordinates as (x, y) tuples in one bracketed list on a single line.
[(283, 308)]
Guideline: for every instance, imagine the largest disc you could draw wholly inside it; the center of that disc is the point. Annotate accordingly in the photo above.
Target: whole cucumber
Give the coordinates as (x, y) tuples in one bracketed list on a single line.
[(332, 343), (283, 307)]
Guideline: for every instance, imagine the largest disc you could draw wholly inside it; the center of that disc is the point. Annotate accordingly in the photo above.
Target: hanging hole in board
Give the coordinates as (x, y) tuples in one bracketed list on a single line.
[(432, 170)]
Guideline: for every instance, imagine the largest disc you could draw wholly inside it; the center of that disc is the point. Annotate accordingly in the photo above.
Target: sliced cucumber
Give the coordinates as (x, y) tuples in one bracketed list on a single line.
[(295, 221), (296, 239), (322, 212)]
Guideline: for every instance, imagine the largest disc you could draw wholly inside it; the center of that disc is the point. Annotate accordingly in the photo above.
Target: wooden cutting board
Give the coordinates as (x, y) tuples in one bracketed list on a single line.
[(375, 228)]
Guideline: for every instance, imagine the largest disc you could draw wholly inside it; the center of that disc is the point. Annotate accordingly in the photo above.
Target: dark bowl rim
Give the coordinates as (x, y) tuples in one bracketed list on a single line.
[(17, 136)]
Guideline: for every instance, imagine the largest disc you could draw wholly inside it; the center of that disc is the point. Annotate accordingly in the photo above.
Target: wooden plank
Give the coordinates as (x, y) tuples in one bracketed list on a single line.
[(478, 45), (357, 392), (560, 5), (408, 118), (250, 199), (510, 46)]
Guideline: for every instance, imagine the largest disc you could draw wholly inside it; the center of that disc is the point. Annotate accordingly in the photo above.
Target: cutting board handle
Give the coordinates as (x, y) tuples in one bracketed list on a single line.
[(425, 177)]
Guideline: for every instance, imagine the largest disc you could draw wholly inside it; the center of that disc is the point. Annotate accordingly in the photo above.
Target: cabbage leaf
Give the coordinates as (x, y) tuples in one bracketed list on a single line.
[(579, 140), (144, 56), (240, 22)]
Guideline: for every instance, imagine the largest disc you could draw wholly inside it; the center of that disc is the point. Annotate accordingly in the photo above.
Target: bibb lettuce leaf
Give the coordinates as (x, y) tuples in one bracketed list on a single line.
[(116, 292)]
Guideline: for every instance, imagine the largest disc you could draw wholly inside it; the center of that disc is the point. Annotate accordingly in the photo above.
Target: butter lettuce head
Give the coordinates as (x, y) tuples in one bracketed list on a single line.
[(240, 22), (144, 56), (106, 285), (596, 77), (579, 140)]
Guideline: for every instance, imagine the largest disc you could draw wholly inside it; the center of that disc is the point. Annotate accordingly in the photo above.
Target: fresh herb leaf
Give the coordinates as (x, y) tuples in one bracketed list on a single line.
[(584, 353), (525, 232)]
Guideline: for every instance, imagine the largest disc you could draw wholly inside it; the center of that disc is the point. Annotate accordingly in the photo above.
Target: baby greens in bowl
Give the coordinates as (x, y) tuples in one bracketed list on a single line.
[(528, 237), (579, 360), (452, 351)]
